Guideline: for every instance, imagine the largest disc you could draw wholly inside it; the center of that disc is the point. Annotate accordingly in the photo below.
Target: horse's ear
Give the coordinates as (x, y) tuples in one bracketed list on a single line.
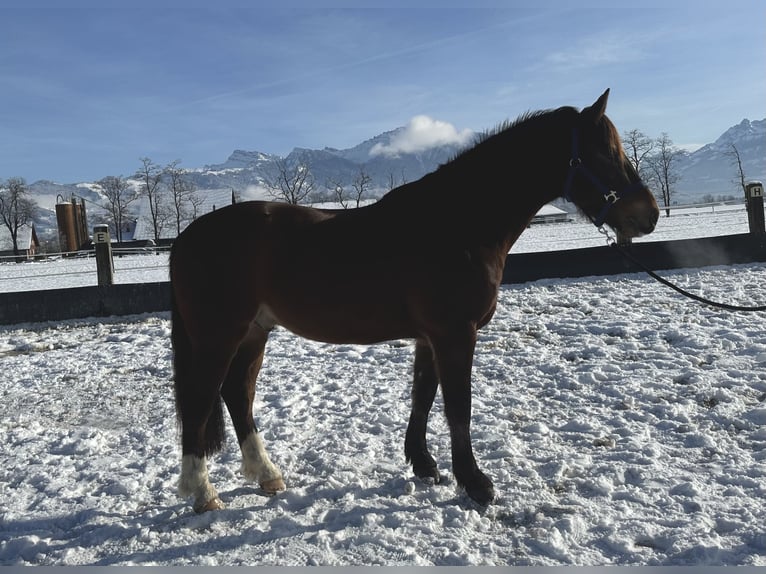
[(598, 109)]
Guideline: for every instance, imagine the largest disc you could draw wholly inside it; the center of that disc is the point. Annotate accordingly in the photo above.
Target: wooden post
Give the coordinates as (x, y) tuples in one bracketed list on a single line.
[(623, 241), (104, 264), (755, 216)]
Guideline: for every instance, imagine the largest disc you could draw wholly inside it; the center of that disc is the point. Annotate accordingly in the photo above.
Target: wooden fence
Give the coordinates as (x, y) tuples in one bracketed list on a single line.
[(657, 255), (128, 299), (79, 302)]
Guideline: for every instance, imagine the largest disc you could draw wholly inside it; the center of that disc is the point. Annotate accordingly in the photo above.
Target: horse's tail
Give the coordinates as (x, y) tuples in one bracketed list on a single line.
[(188, 394)]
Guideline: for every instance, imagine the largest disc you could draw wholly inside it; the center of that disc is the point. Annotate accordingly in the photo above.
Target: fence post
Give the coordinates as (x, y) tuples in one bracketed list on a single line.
[(623, 240), (104, 264), (755, 216)]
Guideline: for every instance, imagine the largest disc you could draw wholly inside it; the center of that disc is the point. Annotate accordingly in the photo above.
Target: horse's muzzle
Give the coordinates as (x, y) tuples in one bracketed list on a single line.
[(636, 218)]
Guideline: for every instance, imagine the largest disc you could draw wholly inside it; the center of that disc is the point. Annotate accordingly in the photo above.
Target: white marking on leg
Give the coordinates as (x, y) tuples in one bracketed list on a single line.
[(194, 482), (257, 466), (264, 319)]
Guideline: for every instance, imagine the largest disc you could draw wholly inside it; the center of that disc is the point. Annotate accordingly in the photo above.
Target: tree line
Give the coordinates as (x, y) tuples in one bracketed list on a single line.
[(169, 194), (292, 181), (656, 161)]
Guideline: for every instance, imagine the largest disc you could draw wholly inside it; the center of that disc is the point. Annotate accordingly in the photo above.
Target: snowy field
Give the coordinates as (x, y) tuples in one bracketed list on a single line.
[(620, 423)]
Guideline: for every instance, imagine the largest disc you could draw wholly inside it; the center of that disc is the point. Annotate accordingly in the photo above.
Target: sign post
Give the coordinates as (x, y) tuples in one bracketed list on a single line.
[(755, 216), (104, 264)]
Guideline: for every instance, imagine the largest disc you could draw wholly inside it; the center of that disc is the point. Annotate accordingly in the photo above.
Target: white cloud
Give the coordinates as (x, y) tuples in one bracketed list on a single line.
[(603, 49), (420, 134)]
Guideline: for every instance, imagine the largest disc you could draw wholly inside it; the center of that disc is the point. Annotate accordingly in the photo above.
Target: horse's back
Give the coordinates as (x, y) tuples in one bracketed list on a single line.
[(338, 276), (249, 216)]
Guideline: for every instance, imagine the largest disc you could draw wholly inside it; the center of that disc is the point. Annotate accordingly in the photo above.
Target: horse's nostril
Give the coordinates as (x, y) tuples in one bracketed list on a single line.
[(643, 224), (652, 223)]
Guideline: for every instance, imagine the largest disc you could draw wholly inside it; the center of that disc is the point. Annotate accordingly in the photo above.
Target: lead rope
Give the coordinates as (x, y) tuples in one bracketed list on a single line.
[(630, 257)]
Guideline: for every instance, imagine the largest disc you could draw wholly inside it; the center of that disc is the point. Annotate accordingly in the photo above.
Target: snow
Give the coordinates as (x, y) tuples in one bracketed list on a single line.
[(621, 424), (59, 273)]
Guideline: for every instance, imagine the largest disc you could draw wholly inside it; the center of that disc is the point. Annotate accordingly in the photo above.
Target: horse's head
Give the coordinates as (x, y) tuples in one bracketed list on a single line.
[(602, 182)]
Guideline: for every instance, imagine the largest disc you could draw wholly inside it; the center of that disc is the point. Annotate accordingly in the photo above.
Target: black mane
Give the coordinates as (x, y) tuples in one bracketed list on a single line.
[(507, 125)]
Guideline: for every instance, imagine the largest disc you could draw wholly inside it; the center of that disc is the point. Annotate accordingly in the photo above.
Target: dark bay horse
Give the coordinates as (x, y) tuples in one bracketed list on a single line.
[(425, 263)]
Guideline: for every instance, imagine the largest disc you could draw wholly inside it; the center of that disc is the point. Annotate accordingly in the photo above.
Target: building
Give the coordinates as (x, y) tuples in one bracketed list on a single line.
[(28, 243), (551, 214), (72, 225)]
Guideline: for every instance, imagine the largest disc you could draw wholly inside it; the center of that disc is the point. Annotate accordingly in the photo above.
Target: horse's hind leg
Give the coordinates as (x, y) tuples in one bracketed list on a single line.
[(238, 392), (198, 378), (424, 385)]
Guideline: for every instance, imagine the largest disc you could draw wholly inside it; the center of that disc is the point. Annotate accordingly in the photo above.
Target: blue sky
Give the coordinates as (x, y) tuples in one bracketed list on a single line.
[(89, 87)]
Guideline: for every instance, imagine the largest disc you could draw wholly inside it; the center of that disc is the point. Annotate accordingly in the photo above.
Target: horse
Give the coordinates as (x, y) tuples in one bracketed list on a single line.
[(424, 263)]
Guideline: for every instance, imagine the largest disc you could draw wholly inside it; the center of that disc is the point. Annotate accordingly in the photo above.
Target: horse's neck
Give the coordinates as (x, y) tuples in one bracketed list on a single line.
[(492, 201)]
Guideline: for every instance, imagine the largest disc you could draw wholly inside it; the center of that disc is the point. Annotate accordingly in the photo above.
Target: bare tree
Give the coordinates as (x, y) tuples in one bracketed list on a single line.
[(638, 147), (291, 182), (119, 197), (150, 175), (185, 203), (663, 168), (736, 161), (17, 209), (335, 186), (361, 185), (391, 181)]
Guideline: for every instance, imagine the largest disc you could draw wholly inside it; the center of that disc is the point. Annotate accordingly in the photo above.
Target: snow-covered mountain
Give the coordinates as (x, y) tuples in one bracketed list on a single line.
[(240, 159), (711, 170), (251, 168), (707, 171)]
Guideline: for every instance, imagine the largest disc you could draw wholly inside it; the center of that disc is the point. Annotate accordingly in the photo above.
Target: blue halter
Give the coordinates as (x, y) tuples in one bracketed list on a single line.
[(610, 196)]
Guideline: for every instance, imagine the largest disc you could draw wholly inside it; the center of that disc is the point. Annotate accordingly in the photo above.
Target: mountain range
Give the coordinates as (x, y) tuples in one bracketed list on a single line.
[(710, 171), (704, 173), (245, 170)]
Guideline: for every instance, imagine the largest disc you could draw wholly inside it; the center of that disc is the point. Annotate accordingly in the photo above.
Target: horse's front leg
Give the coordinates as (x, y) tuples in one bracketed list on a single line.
[(453, 355), (424, 386)]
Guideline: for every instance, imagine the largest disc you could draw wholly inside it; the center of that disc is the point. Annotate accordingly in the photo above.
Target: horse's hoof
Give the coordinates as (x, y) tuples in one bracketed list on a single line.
[(483, 495), (212, 504), (273, 486), (430, 476), (478, 487)]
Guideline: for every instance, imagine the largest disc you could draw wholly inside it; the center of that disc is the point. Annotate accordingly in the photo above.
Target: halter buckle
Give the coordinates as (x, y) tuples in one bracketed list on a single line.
[(611, 197)]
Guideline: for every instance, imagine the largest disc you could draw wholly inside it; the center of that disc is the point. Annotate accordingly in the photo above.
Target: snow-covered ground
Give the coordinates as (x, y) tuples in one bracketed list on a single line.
[(65, 272), (621, 423)]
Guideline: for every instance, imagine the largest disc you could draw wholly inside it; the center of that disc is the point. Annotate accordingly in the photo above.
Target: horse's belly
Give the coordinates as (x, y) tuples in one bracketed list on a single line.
[(338, 323)]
